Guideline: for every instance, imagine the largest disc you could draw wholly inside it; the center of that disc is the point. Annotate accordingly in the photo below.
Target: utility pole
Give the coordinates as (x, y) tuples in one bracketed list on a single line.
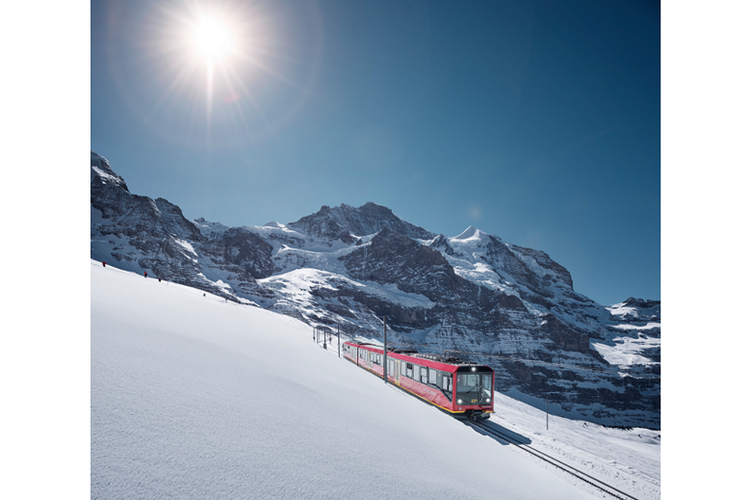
[(338, 334), (385, 352)]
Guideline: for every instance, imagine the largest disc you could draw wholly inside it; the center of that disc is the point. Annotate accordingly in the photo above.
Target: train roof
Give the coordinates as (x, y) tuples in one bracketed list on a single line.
[(442, 359)]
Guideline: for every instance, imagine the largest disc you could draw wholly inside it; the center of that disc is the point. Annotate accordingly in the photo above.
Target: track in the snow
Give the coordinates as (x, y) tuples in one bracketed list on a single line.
[(495, 431)]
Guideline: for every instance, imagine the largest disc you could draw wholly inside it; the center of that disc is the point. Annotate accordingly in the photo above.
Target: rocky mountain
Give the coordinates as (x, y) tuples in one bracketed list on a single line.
[(345, 268)]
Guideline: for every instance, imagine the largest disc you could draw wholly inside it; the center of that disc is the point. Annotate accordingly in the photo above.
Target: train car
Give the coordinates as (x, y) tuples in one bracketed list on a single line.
[(464, 390)]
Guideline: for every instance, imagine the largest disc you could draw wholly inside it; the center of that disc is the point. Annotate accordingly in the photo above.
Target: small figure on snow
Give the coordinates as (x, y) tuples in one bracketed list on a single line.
[(104, 264), (145, 274)]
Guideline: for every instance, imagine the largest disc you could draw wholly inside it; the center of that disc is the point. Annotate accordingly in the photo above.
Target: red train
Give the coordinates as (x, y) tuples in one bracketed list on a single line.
[(462, 389)]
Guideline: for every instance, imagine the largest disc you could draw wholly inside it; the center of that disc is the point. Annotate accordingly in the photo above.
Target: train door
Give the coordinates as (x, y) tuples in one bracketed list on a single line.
[(397, 371)]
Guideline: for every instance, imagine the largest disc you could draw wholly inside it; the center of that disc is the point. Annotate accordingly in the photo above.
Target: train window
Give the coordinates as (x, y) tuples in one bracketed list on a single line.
[(447, 386), (409, 370), (391, 366), (487, 388), (433, 376), (403, 368), (474, 387), (423, 375)]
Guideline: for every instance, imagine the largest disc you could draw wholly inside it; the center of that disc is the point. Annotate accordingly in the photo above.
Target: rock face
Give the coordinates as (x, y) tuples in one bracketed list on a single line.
[(345, 268)]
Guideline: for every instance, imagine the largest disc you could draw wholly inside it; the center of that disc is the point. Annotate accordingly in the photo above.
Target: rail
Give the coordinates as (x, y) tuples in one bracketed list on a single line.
[(490, 428)]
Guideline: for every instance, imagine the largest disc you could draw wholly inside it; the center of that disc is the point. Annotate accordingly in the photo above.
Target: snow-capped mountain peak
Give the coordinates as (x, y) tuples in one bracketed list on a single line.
[(348, 223), (274, 224), (102, 173), (471, 233)]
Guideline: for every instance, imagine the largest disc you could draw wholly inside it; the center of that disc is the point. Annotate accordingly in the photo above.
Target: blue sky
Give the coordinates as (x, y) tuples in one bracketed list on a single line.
[(538, 122), (53, 113)]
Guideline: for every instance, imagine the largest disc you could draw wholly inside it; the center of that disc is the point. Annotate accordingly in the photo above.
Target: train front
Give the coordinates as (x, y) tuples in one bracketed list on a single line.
[(475, 391)]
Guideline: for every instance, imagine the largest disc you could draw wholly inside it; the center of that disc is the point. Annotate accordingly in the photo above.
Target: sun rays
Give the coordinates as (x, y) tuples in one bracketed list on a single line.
[(213, 39)]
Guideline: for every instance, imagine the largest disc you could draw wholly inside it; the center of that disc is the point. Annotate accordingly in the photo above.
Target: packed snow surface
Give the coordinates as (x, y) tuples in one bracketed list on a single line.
[(195, 397)]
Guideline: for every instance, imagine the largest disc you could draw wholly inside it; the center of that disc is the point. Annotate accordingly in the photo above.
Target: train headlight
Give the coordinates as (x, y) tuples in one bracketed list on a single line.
[(460, 402), (488, 400)]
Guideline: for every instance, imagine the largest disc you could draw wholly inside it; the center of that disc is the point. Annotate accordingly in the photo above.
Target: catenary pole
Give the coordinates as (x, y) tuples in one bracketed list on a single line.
[(385, 352)]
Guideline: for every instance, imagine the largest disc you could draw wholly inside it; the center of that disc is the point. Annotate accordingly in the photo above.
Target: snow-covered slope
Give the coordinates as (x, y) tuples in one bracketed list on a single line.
[(194, 396)]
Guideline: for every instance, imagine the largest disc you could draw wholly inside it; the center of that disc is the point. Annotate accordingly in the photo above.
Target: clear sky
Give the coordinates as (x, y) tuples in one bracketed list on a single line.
[(538, 122)]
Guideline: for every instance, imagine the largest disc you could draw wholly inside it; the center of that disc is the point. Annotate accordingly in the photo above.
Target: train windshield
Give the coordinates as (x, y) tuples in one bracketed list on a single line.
[(474, 388)]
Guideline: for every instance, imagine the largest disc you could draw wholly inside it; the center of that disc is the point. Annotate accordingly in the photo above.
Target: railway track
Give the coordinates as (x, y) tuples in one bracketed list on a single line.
[(492, 430)]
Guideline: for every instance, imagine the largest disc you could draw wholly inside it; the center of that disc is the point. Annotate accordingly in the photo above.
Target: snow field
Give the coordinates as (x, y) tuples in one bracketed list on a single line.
[(628, 459), (194, 397)]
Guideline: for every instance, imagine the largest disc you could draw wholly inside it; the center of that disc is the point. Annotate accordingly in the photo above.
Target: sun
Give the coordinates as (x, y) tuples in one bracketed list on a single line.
[(212, 38)]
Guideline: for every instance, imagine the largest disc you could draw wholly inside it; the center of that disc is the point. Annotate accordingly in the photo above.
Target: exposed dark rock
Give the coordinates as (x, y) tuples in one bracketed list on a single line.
[(563, 335)]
